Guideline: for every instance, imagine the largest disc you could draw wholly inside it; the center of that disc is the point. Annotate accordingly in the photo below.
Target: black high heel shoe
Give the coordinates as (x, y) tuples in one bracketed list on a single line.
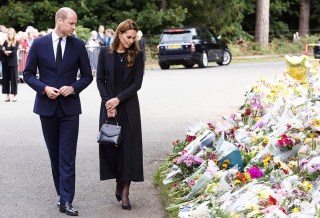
[(118, 190), (118, 197), (126, 207)]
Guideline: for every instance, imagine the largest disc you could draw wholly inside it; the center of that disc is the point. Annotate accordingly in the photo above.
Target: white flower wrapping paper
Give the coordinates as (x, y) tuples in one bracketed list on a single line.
[(282, 109)]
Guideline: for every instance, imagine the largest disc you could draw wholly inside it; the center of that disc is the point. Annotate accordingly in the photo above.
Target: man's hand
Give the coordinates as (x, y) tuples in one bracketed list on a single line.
[(66, 90), (51, 92)]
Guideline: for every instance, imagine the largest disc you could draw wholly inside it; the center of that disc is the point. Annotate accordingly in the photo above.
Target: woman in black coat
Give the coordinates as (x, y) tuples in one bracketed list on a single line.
[(10, 65), (119, 77)]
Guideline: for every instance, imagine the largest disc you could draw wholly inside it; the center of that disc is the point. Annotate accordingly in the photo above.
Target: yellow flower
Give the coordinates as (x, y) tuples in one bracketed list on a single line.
[(306, 186), (236, 182), (224, 166), (257, 118), (265, 140), (235, 215), (226, 161), (266, 161), (247, 175), (252, 207), (263, 194), (295, 210), (252, 153)]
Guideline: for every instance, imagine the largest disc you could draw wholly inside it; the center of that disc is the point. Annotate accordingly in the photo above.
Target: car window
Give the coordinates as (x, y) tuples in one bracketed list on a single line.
[(176, 37)]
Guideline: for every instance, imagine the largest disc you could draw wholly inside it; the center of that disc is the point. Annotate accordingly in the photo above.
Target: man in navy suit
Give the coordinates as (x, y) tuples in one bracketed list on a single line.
[(58, 57)]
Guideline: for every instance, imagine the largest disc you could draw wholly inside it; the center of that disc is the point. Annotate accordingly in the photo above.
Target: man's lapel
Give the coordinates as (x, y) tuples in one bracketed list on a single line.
[(50, 51)]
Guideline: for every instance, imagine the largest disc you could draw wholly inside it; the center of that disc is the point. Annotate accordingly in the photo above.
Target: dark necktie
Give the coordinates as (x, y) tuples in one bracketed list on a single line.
[(59, 56)]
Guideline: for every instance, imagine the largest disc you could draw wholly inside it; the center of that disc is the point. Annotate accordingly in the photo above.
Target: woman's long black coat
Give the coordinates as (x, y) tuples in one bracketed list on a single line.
[(133, 77)]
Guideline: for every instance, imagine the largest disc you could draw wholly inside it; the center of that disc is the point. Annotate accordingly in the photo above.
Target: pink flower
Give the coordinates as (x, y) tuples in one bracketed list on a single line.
[(280, 142), (288, 141), (191, 184), (255, 172)]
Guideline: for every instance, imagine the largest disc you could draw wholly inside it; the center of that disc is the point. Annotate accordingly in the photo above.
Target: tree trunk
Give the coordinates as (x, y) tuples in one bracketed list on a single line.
[(304, 17), (262, 22), (163, 5)]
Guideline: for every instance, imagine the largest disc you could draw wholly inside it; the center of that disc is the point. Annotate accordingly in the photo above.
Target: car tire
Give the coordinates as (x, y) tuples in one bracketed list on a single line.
[(164, 66), (227, 57), (204, 60), (188, 65)]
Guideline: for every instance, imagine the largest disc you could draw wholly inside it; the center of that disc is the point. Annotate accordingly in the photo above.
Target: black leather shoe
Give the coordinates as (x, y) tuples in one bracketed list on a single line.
[(68, 209), (126, 207)]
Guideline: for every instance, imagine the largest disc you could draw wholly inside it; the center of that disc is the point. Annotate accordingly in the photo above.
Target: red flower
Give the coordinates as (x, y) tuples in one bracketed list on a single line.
[(248, 111), (287, 141), (280, 142), (190, 138), (184, 152), (272, 200)]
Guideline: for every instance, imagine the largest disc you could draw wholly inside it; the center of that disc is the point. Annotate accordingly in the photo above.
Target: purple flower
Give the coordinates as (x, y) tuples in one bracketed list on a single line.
[(189, 160), (255, 172)]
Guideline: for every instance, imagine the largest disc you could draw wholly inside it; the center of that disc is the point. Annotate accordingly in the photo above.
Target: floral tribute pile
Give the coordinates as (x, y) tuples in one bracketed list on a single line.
[(262, 161)]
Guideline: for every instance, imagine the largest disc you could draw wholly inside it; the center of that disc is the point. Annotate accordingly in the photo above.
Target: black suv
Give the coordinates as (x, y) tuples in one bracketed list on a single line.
[(191, 45)]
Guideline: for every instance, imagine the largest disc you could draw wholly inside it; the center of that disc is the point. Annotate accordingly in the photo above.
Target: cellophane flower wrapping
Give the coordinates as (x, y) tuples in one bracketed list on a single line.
[(261, 161)]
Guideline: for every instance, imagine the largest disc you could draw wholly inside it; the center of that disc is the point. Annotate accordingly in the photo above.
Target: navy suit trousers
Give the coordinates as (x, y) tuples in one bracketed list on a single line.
[(61, 135)]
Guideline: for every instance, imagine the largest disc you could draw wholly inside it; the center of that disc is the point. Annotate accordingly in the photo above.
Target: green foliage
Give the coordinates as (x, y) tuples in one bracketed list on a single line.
[(83, 33), (45, 13), (164, 189), (150, 18), (16, 15)]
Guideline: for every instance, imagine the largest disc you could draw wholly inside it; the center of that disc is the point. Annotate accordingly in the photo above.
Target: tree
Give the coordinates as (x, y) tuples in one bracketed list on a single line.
[(262, 22), (304, 17), (223, 17)]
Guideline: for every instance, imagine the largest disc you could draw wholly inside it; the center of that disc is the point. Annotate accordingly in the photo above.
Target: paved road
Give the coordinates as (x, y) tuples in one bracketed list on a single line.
[(171, 100)]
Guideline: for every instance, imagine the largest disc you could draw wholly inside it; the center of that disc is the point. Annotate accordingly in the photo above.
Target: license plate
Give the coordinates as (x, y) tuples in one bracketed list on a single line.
[(174, 46)]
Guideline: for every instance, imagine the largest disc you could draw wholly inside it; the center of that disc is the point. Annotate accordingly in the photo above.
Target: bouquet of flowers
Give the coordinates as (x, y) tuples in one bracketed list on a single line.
[(262, 161)]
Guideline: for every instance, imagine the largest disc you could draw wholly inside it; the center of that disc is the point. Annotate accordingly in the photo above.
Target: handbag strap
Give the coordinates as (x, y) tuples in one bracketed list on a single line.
[(115, 117)]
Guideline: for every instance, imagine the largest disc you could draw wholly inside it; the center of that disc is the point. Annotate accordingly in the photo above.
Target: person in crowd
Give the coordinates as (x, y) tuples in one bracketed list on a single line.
[(119, 77), (93, 48), (3, 29), (10, 66), (30, 37), (49, 30), (42, 33), (142, 44), (23, 51), (101, 37), (58, 56), (296, 36), (36, 33), (109, 36)]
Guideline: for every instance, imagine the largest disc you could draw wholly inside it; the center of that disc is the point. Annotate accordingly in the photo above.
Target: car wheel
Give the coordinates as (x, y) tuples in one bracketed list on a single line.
[(226, 58), (164, 66), (188, 65), (204, 60)]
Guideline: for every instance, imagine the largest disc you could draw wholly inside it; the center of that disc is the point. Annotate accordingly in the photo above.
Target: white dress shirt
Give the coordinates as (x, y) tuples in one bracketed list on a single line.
[(55, 41)]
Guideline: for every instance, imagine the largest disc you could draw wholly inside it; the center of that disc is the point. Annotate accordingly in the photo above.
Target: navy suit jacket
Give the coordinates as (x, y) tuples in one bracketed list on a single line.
[(41, 59)]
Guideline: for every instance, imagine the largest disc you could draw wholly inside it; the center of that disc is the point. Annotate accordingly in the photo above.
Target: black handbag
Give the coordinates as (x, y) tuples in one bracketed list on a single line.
[(110, 134)]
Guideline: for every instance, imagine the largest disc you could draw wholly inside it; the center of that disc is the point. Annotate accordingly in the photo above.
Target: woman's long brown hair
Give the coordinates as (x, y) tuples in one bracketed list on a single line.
[(133, 50)]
